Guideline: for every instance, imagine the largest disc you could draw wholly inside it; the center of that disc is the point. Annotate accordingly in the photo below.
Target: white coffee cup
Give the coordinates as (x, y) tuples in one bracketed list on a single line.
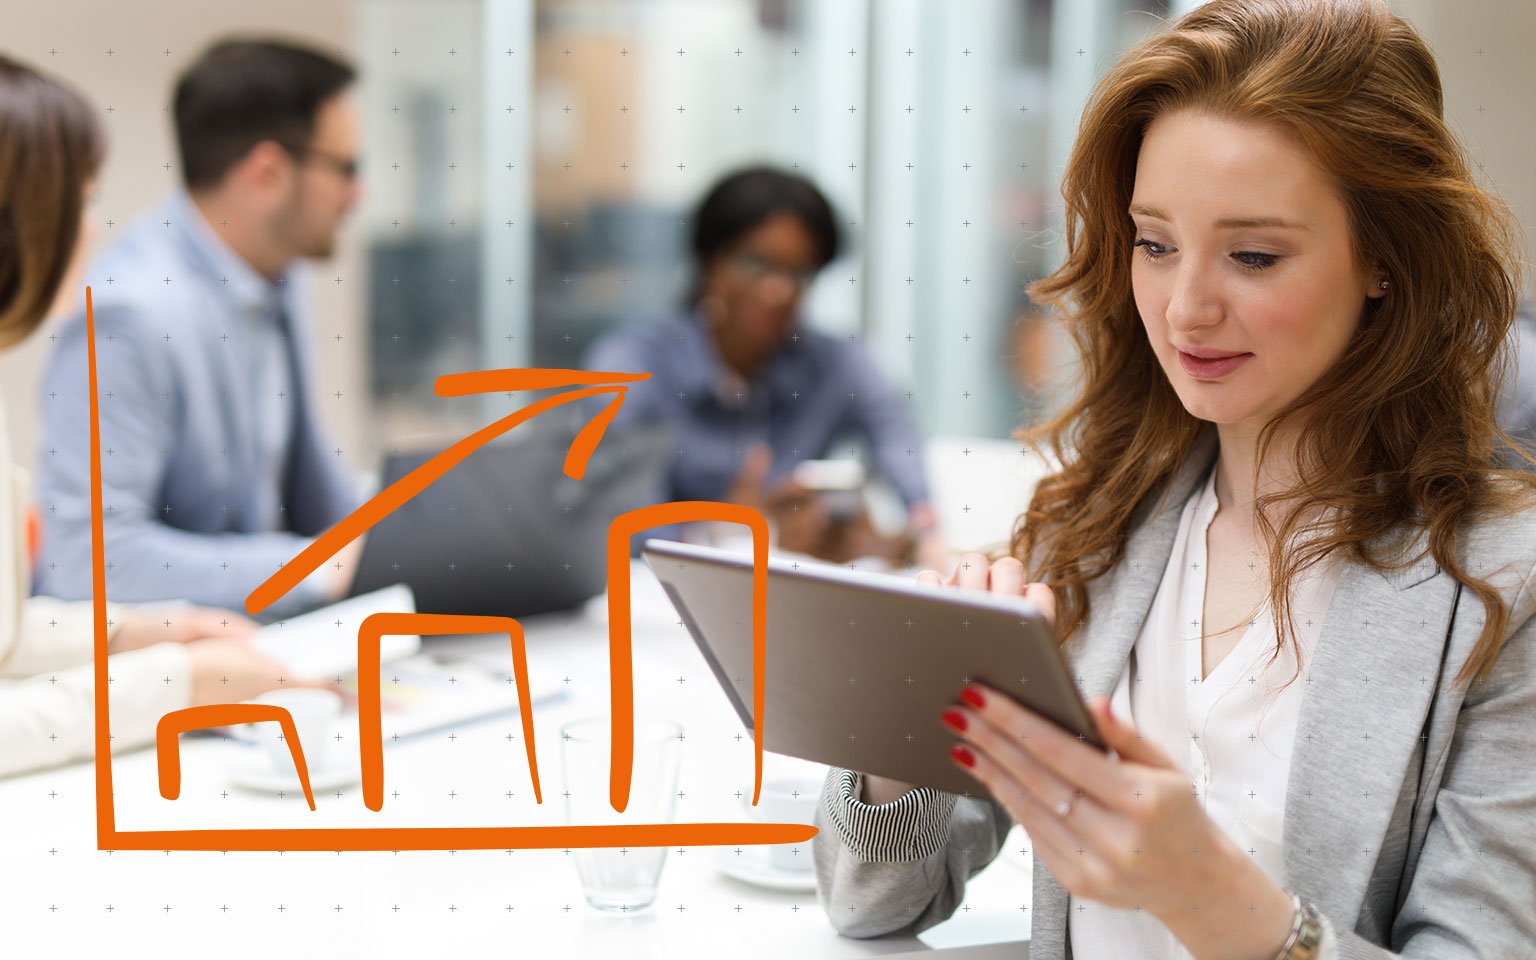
[(316, 715), (787, 800)]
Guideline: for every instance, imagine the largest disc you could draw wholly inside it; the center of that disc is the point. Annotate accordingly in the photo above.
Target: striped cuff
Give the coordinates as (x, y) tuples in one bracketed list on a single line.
[(912, 827)]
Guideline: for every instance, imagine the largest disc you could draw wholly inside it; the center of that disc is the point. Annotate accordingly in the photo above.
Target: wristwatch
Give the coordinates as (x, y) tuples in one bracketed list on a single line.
[(1306, 932)]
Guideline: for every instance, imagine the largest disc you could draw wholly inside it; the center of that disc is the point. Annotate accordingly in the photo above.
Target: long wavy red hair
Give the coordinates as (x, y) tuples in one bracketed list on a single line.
[(1399, 435)]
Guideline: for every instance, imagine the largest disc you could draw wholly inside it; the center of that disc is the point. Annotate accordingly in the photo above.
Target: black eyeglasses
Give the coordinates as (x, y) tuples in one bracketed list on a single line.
[(348, 167), (755, 267)]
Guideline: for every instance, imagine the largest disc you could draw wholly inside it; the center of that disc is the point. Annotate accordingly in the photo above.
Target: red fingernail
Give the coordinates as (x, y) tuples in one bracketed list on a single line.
[(962, 754), (973, 697), (953, 719)]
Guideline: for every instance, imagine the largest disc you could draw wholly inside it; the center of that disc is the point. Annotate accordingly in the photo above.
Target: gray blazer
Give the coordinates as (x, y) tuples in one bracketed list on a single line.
[(1410, 816), (1516, 408)]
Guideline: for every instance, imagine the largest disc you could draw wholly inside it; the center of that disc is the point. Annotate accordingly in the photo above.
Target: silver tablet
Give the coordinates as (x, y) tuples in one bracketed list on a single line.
[(860, 665)]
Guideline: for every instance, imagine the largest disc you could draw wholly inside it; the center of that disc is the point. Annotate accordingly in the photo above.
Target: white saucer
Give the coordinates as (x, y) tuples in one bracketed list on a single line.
[(753, 866), (255, 773)]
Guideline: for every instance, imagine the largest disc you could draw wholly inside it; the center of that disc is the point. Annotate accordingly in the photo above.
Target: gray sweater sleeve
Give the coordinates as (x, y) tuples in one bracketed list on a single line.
[(899, 867)]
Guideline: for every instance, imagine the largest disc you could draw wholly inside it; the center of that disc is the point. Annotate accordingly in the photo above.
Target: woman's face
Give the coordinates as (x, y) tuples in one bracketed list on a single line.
[(758, 282), (1244, 258)]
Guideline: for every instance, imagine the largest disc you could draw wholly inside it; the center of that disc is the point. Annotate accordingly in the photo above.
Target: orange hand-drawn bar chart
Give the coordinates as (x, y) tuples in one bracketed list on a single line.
[(620, 651)]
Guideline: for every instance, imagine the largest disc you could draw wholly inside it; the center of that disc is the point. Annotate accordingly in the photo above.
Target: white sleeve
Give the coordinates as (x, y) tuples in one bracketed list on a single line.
[(50, 718)]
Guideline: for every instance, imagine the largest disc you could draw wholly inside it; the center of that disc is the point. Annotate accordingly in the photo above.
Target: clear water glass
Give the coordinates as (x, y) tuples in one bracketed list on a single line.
[(620, 879)]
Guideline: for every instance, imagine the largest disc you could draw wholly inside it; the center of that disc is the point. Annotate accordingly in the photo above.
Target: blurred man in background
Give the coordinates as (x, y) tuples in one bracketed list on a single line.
[(215, 472)]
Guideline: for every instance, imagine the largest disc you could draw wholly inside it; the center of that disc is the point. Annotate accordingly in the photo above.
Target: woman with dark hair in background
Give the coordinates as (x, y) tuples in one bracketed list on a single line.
[(751, 391), (51, 149)]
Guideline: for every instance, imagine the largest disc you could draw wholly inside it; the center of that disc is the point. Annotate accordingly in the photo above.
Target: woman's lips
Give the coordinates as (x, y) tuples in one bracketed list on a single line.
[(1211, 369)]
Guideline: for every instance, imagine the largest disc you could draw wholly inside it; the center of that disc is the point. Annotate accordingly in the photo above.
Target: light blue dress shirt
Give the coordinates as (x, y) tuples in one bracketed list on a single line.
[(816, 390), (214, 472)]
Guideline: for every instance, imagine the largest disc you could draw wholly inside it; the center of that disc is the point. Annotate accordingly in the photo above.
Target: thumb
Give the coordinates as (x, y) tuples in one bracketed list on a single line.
[(758, 461), (1043, 598), (1122, 738)]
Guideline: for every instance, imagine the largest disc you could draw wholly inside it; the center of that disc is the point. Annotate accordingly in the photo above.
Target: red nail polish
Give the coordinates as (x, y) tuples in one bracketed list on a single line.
[(963, 754), (973, 697), (953, 719)]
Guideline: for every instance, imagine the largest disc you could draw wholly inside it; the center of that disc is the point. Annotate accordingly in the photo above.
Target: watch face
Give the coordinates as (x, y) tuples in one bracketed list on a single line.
[(1309, 936)]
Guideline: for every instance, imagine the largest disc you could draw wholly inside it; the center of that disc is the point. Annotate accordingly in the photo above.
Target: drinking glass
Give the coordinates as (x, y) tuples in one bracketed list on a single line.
[(620, 879)]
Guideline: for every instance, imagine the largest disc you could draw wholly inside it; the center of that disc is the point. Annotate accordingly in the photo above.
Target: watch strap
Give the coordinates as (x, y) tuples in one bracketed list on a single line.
[(1306, 932)]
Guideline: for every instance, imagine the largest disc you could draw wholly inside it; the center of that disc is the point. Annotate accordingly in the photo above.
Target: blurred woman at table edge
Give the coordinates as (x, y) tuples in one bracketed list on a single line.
[(751, 391), (51, 150), (1283, 563)]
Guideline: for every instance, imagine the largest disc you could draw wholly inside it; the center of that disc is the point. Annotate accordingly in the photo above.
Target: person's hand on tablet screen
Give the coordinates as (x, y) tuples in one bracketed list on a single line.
[(973, 572), (1005, 576)]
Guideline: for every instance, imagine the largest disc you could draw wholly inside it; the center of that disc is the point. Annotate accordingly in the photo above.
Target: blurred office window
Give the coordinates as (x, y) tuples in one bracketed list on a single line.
[(426, 120), (533, 164)]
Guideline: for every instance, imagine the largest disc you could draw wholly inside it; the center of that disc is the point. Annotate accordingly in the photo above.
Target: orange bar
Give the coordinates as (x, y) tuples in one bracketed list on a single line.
[(529, 378), (466, 838)]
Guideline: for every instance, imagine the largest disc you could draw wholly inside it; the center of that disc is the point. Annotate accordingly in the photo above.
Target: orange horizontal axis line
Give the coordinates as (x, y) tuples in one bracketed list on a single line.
[(464, 838)]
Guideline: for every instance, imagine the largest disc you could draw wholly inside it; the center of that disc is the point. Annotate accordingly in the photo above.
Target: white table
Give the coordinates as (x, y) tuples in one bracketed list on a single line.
[(62, 896)]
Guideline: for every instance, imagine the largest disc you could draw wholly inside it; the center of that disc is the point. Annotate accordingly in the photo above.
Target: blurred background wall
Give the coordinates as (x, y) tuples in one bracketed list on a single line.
[(529, 167), (125, 57)]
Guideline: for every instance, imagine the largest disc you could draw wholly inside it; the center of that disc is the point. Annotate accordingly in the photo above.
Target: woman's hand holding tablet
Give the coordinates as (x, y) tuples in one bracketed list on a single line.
[(1118, 828), (973, 572)]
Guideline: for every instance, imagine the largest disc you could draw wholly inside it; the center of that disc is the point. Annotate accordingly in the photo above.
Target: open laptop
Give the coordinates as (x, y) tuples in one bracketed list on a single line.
[(506, 532)]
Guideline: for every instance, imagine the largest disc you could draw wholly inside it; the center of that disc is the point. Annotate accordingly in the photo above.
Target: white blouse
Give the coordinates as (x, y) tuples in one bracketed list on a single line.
[(1231, 731)]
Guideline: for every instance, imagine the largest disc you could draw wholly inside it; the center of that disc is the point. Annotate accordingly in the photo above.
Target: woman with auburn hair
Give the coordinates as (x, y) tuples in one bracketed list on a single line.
[(51, 148), (1281, 558)]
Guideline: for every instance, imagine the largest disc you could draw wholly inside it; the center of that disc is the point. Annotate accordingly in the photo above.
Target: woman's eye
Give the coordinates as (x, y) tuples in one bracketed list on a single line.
[(1247, 259), (1256, 261)]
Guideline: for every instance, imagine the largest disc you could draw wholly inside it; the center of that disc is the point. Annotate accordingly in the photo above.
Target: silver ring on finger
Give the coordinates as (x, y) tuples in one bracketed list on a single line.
[(1063, 807)]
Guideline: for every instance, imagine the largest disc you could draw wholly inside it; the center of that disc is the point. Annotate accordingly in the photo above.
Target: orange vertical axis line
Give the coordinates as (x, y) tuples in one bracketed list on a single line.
[(106, 814), (620, 644)]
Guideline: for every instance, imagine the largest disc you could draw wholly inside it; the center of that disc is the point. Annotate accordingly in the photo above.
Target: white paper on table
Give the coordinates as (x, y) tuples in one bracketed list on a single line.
[(316, 645), (419, 694)]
